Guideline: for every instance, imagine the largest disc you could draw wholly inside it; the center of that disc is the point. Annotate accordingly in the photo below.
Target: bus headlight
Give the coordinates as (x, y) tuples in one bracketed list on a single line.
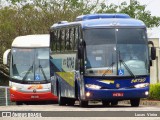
[(92, 86), (142, 85), (14, 88), (146, 93)]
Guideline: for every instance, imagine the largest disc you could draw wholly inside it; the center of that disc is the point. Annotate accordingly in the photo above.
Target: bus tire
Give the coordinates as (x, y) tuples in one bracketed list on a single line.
[(105, 103), (83, 103), (135, 102), (70, 102), (19, 103), (114, 103), (61, 100)]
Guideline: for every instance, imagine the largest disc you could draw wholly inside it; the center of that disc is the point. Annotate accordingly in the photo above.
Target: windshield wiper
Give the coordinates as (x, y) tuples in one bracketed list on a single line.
[(108, 69), (128, 69), (43, 72), (27, 73)]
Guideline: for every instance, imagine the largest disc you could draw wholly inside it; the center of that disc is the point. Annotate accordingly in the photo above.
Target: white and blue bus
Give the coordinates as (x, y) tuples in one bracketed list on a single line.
[(102, 57), (30, 69)]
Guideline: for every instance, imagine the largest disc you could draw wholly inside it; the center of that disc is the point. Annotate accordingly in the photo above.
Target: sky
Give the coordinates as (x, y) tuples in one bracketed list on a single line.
[(153, 6)]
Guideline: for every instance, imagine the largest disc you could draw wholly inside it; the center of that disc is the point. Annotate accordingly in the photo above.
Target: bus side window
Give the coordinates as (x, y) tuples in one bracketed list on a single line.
[(76, 36), (62, 40), (53, 40), (73, 37), (58, 41), (67, 40)]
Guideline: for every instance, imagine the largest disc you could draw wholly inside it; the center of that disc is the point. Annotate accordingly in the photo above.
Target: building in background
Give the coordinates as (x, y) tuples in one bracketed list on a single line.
[(154, 35)]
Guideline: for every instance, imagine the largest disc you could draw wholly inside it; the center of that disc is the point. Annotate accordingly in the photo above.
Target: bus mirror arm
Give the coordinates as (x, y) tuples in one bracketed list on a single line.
[(153, 50), (150, 62)]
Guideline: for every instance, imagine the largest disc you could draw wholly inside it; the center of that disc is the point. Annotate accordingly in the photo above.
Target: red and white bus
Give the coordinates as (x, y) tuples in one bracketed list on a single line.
[(30, 69)]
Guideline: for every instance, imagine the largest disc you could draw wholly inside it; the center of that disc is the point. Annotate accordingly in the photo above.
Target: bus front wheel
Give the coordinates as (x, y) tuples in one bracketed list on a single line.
[(83, 103), (114, 103), (105, 103), (19, 103), (70, 102), (135, 102)]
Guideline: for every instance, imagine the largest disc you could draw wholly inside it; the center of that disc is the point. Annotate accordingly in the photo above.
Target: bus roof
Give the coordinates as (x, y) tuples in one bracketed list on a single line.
[(97, 23), (28, 41), (117, 22), (101, 16), (103, 20)]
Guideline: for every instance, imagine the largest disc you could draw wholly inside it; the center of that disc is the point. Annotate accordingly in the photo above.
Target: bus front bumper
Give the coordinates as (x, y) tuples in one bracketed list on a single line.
[(116, 94), (30, 96)]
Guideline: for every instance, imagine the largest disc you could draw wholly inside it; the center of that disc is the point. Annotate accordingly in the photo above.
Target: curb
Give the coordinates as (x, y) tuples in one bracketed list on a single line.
[(145, 102), (150, 103)]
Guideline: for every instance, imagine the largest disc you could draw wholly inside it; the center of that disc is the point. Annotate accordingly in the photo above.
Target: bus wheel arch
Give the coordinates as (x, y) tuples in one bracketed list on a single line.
[(61, 100)]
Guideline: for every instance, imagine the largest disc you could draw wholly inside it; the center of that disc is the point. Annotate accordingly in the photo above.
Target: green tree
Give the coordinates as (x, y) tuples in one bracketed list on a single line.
[(134, 9), (138, 11)]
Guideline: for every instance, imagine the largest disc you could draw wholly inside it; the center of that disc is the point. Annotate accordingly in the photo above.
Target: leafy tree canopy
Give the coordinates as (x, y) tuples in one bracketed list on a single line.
[(134, 9)]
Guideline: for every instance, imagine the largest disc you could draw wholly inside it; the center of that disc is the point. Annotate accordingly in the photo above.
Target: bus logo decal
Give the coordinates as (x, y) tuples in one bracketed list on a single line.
[(141, 80), (32, 87), (70, 62)]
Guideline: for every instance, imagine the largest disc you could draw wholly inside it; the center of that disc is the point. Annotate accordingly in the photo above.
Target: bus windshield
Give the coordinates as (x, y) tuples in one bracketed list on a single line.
[(30, 64), (116, 52)]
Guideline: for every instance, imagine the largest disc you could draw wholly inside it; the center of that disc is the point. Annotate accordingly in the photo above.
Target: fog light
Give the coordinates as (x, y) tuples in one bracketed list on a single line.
[(146, 93), (88, 94)]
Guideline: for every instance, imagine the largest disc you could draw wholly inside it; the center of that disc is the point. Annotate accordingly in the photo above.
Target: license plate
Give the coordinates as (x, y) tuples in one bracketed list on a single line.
[(34, 96), (118, 94)]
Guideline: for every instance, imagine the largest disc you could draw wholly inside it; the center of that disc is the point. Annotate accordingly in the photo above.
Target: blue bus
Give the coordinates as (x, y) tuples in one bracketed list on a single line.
[(100, 57)]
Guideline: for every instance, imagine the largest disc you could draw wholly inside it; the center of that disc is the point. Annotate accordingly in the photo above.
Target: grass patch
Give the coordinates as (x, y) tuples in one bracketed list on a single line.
[(154, 92)]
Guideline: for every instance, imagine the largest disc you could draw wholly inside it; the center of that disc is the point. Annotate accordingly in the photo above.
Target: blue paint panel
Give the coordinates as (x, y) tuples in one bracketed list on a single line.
[(124, 83), (125, 87), (57, 63), (108, 94)]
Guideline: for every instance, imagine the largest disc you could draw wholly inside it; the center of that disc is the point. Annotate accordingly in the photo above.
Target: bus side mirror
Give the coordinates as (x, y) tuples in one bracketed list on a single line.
[(153, 53), (6, 57)]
